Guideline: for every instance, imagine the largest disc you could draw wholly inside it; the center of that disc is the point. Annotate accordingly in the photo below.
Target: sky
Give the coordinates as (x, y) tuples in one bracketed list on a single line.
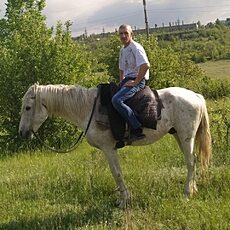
[(97, 16)]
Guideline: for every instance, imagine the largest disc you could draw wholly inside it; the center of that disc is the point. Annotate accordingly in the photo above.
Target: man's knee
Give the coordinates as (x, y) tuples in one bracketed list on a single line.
[(114, 101)]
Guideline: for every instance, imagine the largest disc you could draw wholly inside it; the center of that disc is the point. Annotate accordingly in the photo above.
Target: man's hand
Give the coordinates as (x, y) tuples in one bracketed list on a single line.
[(130, 83)]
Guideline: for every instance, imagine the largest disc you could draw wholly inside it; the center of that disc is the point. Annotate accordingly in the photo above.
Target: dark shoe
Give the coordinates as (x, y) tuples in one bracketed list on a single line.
[(136, 134), (120, 144)]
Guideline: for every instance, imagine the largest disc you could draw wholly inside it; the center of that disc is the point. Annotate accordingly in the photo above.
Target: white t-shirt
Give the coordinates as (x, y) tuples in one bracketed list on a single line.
[(130, 59)]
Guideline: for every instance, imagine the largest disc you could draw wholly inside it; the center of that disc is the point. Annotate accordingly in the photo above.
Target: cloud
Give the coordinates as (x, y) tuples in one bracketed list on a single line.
[(111, 16), (96, 15), (73, 10), (162, 11)]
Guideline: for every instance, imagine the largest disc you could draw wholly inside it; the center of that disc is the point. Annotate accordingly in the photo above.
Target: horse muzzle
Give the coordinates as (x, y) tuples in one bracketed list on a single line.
[(26, 134)]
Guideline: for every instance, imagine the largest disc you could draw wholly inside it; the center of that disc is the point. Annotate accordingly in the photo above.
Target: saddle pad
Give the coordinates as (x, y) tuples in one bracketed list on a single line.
[(115, 120), (146, 104)]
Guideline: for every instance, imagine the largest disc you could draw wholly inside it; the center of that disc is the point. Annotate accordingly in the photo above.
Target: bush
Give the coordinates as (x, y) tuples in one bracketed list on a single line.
[(214, 88), (219, 113), (30, 53)]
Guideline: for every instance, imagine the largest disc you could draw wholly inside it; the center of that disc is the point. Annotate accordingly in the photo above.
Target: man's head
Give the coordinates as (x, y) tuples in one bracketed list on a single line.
[(125, 33)]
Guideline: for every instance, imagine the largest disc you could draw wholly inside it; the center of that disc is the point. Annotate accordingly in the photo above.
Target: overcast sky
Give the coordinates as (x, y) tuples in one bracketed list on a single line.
[(94, 16)]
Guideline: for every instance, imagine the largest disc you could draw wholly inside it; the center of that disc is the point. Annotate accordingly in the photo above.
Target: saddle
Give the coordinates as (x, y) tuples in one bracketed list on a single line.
[(146, 105)]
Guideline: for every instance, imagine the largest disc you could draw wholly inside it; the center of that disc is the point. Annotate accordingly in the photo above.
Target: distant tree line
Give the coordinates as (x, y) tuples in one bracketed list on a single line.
[(199, 43), (211, 42)]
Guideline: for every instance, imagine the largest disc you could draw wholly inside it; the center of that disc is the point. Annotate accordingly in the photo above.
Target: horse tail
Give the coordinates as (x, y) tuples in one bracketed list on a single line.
[(203, 138)]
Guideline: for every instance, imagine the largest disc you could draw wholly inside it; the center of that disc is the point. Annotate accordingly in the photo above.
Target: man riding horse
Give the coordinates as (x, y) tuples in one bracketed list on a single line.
[(134, 70)]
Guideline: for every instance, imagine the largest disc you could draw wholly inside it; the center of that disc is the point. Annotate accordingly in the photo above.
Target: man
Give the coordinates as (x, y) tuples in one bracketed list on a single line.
[(134, 70)]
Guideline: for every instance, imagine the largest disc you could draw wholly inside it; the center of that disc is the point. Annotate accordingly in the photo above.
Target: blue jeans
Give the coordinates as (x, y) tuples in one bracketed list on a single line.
[(118, 101)]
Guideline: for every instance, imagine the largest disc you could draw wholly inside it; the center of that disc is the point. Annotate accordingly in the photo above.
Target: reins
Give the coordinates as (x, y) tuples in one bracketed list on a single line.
[(75, 145), (80, 138)]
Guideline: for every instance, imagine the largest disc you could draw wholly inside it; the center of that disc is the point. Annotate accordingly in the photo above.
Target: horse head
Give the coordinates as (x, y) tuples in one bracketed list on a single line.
[(33, 112)]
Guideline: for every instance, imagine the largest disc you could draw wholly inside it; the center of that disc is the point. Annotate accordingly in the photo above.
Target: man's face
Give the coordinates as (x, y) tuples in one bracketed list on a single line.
[(125, 36)]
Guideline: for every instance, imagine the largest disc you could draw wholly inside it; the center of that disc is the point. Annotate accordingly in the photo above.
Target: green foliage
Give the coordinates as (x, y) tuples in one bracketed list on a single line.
[(106, 52), (214, 88), (219, 112), (30, 53), (210, 43), (167, 68), (46, 191)]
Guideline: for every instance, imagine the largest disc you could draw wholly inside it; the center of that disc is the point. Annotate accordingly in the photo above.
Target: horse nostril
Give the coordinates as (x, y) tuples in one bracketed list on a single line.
[(25, 134), (20, 133)]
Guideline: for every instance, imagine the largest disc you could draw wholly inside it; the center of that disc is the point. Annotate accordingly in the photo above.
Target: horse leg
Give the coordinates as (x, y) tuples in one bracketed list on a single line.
[(178, 141), (187, 147), (112, 158)]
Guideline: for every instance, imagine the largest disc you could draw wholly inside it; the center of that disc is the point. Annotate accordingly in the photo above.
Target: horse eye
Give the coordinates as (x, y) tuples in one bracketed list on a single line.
[(27, 108)]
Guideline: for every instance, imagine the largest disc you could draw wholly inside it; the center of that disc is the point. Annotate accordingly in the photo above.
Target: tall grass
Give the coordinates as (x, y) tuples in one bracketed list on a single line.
[(43, 190)]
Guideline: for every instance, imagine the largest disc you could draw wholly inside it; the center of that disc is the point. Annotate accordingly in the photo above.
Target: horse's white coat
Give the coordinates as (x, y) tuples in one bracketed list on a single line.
[(184, 110)]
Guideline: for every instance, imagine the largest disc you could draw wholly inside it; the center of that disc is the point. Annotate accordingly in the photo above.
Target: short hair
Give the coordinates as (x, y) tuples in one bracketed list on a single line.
[(128, 27)]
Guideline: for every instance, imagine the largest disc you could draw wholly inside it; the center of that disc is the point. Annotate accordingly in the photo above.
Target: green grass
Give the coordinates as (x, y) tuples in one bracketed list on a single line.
[(44, 190), (217, 69)]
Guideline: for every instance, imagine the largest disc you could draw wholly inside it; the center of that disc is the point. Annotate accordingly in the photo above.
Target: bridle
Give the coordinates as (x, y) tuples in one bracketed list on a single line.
[(80, 138)]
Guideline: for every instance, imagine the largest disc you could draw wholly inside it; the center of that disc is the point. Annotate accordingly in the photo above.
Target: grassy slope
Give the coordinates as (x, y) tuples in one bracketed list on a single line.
[(76, 190), (217, 69)]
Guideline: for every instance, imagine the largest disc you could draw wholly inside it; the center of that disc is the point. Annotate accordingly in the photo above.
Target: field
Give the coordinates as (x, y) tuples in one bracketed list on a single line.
[(217, 69), (44, 190), (48, 191)]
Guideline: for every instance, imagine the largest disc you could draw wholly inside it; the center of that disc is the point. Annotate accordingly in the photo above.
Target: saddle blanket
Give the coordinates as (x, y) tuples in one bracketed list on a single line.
[(146, 105)]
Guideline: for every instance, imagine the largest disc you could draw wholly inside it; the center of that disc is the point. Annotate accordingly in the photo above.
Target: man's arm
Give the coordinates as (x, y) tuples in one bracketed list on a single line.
[(141, 74), (121, 75)]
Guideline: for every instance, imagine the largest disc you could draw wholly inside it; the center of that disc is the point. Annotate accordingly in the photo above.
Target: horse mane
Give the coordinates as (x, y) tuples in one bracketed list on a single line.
[(62, 99)]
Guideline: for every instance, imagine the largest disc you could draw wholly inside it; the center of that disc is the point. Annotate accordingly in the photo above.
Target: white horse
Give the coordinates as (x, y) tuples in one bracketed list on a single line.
[(184, 111)]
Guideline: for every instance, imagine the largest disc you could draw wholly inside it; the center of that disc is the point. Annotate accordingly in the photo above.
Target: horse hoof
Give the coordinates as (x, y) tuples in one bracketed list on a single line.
[(124, 204)]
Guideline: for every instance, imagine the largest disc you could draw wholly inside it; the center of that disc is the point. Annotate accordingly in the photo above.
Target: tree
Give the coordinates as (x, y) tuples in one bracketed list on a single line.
[(29, 53), (167, 67)]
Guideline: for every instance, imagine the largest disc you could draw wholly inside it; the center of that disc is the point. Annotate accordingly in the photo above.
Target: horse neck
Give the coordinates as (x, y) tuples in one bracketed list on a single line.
[(72, 103)]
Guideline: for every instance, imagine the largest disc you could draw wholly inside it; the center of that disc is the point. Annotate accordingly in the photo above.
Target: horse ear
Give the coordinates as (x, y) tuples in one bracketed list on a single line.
[(34, 88), (35, 85)]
